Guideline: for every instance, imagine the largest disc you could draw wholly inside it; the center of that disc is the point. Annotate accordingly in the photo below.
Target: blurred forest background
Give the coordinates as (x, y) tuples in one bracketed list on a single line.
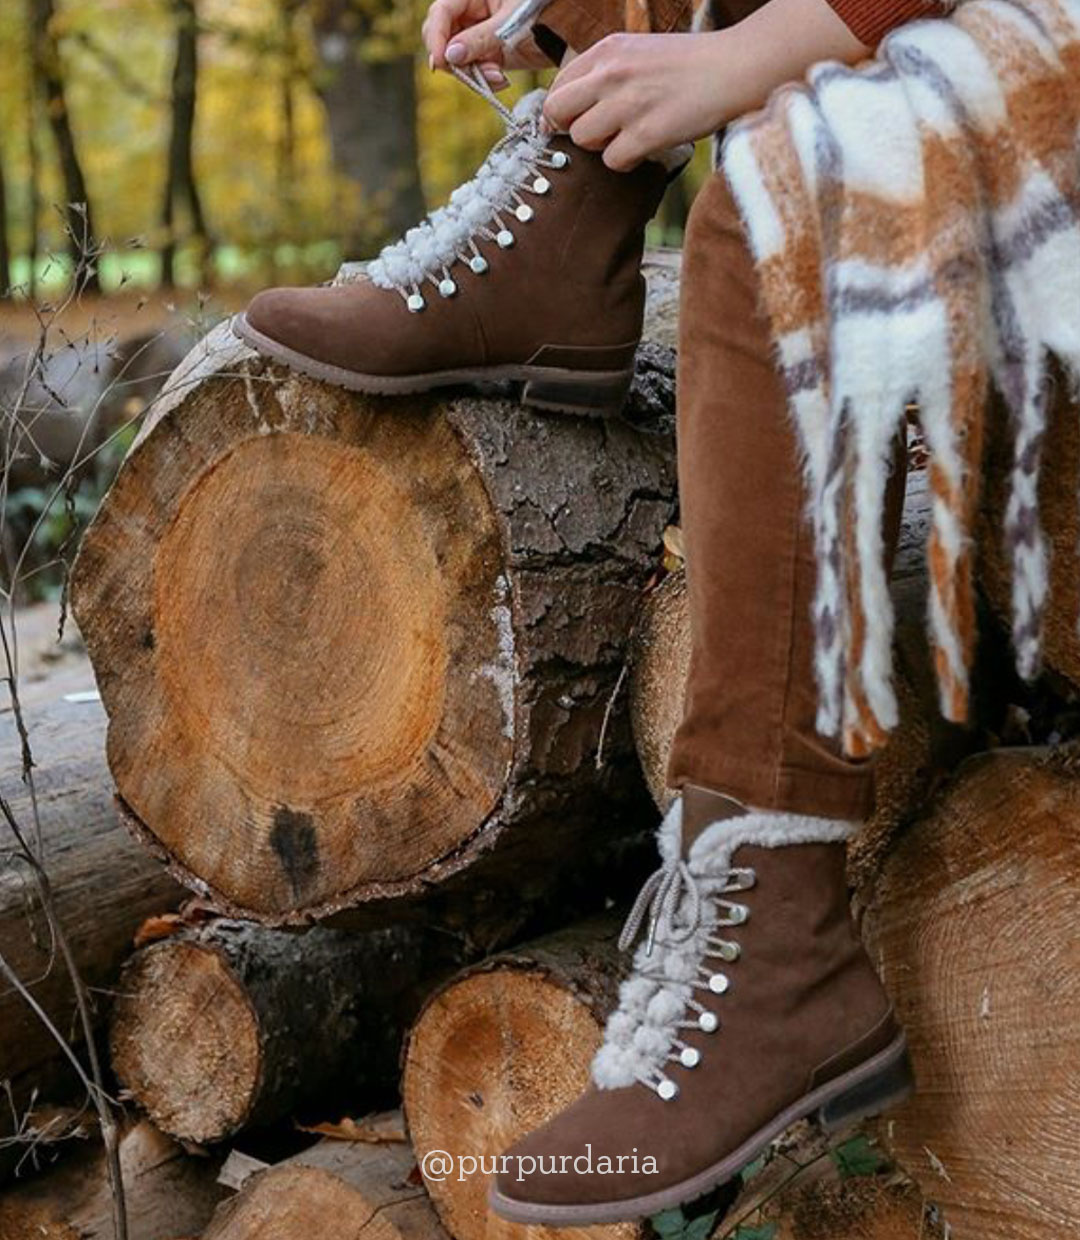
[(161, 160), (226, 141)]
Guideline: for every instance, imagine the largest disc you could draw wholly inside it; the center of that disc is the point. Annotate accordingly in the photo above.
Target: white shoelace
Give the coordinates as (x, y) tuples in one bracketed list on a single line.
[(483, 208), (685, 913)]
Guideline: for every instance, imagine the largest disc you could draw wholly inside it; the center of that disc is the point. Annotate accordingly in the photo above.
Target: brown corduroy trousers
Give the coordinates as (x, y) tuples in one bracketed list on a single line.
[(748, 725)]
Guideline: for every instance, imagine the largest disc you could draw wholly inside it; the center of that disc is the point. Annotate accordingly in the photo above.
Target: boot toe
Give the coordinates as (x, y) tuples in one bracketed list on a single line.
[(292, 317), (574, 1159)]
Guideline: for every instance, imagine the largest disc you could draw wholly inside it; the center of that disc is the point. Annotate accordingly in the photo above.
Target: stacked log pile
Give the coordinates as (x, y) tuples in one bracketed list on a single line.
[(365, 664)]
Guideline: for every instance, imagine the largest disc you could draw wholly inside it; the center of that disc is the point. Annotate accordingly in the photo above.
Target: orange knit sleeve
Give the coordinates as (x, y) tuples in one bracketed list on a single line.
[(871, 20)]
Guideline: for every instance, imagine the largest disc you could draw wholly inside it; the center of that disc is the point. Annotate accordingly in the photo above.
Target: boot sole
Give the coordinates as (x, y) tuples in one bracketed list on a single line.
[(883, 1081), (592, 393)]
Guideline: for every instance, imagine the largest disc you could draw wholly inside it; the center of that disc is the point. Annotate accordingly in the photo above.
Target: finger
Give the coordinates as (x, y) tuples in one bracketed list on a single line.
[(594, 129), (575, 68), (443, 19), (566, 102), (494, 75), (625, 152), (476, 44)]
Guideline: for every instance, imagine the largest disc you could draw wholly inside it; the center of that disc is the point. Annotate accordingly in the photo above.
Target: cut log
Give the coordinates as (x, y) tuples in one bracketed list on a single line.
[(974, 925), (1059, 508), (812, 1188), (856, 1209), (352, 647), (232, 1025), (499, 1050), (922, 750), (104, 885), (169, 1194), (337, 1189)]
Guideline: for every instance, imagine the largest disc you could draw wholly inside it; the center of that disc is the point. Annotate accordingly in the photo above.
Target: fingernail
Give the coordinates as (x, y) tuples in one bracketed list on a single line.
[(496, 77), (456, 53), (431, 63)]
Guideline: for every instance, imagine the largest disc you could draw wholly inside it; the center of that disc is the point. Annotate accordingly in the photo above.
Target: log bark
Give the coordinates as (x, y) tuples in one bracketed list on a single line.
[(923, 749), (974, 925), (351, 648), (499, 1050), (232, 1026), (104, 886), (347, 1190), (169, 1194)]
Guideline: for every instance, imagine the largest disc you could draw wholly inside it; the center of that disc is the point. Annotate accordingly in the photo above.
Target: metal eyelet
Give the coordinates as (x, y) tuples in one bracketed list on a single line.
[(504, 238), (415, 303), (447, 288), (718, 983), (738, 914), (559, 159), (689, 1057), (541, 185), (478, 264), (667, 1089), (728, 952), (708, 1022)]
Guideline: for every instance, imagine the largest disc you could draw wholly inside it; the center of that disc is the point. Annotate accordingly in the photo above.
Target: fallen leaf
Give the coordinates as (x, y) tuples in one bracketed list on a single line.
[(377, 1129), (161, 926), (673, 543)]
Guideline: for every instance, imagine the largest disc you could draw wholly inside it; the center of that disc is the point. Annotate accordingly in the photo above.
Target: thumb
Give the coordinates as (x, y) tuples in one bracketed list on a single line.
[(476, 43)]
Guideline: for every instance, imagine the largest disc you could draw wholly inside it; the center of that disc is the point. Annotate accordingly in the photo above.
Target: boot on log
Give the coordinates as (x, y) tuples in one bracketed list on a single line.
[(340, 1190), (352, 647), (232, 1025), (497, 1052), (974, 924)]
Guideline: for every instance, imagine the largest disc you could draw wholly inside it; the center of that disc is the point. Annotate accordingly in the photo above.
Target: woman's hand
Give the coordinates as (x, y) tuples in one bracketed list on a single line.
[(631, 95), (462, 32), (634, 95)]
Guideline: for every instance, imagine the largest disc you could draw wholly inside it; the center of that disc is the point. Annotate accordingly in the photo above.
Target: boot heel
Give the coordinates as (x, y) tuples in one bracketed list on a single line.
[(593, 395), (887, 1087)]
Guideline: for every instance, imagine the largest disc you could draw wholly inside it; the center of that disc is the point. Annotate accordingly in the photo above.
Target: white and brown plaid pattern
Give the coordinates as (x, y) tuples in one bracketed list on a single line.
[(916, 226)]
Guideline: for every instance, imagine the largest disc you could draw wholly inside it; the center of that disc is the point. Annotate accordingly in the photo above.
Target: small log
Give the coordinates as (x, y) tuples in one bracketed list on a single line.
[(232, 1026), (351, 648), (103, 884), (499, 1050), (170, 1194), (337, 1189), (974, 925), (922, 750)]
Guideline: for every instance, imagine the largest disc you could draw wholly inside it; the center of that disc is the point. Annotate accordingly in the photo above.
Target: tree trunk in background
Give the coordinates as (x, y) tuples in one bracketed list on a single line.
[(49, 80), (5, 240), (286, 137), (371, 113), (180, 185), (33, 160)]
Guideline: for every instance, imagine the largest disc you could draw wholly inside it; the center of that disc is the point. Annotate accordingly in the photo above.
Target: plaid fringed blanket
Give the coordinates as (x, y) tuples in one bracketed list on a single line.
[(916, 226)]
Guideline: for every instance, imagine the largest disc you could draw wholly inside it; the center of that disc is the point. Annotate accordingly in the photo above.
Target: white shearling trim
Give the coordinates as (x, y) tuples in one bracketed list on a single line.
[(640, 1033), (441, 240)]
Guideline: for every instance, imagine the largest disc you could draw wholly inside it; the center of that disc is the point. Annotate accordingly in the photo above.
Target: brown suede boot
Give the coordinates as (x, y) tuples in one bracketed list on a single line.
[(756, 1006), (531, 273)]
